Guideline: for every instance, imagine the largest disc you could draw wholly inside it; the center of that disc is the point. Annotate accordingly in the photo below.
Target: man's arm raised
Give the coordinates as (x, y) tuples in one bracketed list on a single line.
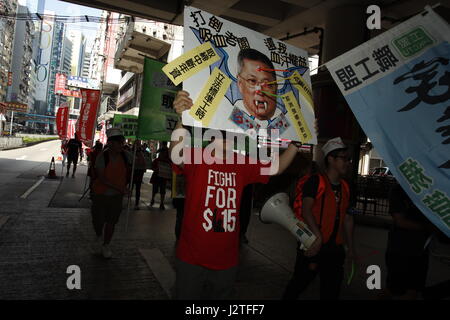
[(181, 103)]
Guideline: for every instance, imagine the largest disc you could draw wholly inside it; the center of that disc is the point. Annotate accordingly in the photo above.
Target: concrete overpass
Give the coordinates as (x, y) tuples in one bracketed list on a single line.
[(343, 21)]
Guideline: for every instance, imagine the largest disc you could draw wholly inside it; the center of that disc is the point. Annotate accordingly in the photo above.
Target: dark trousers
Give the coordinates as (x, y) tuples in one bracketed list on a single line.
[(198, 283), (245, 210), (328, 263), (137, 181), (178, 204)]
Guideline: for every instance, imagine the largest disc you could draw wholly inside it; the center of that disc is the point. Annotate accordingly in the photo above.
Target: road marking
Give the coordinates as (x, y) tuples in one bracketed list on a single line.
[(21, 158), (27, 193), (3, 220), (161, 268)]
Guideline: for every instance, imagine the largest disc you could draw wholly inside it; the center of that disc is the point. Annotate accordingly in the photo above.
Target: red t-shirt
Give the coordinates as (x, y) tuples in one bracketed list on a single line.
[(210, 230)]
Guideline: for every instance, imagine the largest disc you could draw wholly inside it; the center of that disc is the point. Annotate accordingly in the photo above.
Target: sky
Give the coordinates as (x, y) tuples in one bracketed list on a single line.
[(69, 9)]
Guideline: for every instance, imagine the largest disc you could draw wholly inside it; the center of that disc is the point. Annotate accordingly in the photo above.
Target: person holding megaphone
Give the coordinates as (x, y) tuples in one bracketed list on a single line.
[(322, 202)]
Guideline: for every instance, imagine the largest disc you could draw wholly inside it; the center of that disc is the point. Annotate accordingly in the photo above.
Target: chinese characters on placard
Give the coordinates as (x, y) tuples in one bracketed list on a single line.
[(279, 54), (214, 24), (436, 200), (384, 58), (210, 95), (424, 73), (191, 63)]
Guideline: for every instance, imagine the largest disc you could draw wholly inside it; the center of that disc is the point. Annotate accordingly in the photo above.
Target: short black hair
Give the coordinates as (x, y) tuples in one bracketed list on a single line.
[(252, 54), (334, 154)]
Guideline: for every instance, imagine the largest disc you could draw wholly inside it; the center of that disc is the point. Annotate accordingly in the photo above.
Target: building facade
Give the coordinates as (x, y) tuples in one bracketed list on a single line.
[(43, 63), (133, 44), (56, 66), (7, 7), (86, 64), (102, 63), (21, 66)]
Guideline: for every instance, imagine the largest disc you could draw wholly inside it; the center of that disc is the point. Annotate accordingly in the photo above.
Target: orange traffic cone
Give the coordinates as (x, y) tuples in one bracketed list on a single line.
[(51, 170), (59, 158)]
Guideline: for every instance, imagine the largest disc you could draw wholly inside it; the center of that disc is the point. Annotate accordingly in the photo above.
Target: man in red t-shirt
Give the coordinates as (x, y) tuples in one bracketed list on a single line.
[(208, 248)]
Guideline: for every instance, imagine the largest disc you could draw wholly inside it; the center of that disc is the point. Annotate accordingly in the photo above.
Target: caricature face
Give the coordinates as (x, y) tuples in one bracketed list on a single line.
[(251, 82)]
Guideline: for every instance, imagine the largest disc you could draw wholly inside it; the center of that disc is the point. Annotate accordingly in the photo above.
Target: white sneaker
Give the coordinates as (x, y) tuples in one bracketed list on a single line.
[(106, 250)]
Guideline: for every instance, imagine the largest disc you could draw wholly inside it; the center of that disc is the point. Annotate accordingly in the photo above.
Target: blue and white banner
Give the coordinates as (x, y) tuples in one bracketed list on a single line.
[(398, 87)]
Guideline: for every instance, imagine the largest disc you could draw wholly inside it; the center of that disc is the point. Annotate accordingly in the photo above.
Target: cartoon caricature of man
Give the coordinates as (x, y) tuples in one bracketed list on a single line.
[(256, 82)]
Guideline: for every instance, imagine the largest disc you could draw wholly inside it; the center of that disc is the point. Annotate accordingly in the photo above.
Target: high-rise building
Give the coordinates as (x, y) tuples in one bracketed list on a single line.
[(56, 66), (36, 7), (67, 55), (43, 63), (21, 66), (78, 48), (7, 7), (102, 62), (86, 64)]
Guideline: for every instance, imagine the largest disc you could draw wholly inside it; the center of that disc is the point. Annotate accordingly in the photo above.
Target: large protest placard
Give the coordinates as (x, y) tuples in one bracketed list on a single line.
[(157, 118), (398, 87), (246, 81)]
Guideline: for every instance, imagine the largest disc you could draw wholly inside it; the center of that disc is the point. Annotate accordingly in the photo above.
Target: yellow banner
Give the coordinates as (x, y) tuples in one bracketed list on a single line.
[(209, 98), (296, 116), (190, 63), (303, 87)]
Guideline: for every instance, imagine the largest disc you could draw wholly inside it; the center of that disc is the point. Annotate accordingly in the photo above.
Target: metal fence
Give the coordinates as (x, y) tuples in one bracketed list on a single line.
[(372, 194)]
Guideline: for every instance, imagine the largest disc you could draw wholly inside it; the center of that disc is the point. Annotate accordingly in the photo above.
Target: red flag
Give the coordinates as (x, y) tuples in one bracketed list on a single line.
[(102, 136), (62, 120), (71, 129), (60, 83), (88, 116)]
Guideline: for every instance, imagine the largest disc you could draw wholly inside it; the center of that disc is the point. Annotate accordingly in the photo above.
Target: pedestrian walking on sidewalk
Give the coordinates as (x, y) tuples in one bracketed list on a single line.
[(113, 171), (140, 167), (74, 151), (64, 152), (162, 172), (325, 200)]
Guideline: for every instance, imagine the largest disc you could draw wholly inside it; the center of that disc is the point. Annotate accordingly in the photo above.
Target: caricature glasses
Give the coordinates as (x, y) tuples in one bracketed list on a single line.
[(265, 85)]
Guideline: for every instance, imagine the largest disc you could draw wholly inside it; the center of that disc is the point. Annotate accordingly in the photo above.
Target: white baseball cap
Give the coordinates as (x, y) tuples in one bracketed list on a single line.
[(113, 132), (333, 144)]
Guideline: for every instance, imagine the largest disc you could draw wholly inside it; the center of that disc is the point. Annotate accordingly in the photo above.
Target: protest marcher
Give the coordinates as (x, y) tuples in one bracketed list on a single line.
[(162, 172), (92, 157), (208, 249), (139, 170), (407, 252), (113, 171), (322, 203), (74, 151)]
